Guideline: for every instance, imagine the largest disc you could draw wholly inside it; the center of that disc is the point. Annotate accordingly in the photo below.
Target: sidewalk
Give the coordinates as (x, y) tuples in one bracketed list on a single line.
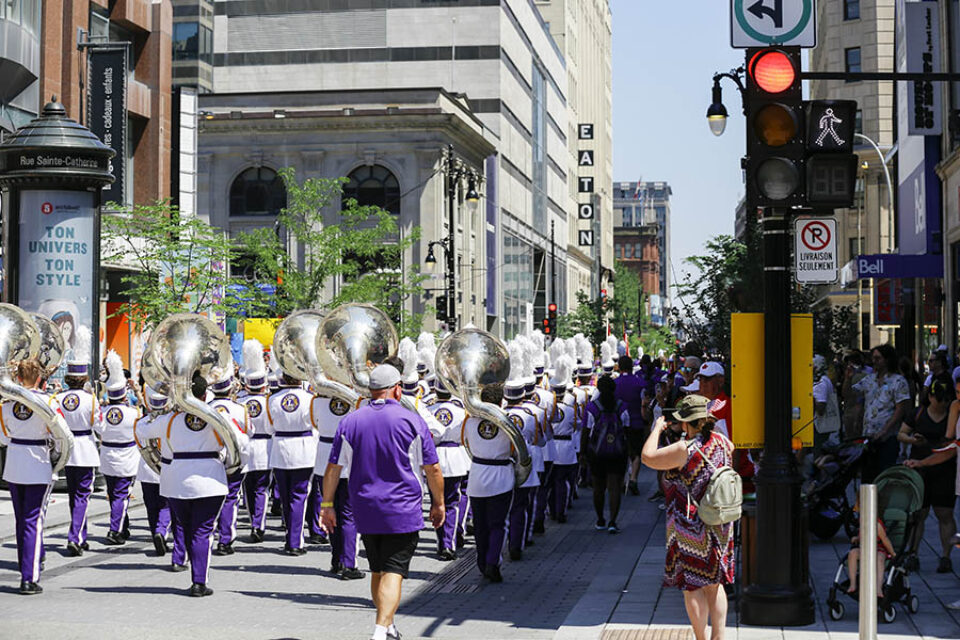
[(627, 602)]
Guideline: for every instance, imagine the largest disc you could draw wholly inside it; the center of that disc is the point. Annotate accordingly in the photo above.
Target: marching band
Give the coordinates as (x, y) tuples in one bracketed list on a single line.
[(506, 422)]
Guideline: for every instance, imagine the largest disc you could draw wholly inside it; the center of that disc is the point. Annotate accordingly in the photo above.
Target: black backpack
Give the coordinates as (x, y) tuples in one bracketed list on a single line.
[(608, 439)]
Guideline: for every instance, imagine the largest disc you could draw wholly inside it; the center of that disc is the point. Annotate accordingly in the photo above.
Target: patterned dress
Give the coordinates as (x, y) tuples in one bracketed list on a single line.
[(697, 554)]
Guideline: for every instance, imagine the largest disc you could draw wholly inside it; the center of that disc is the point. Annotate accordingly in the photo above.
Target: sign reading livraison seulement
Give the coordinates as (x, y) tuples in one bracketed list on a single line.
[(56, 257)]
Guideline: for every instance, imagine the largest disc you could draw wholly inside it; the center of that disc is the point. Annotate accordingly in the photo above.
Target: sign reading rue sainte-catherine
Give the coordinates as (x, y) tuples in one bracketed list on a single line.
[(761, 23)]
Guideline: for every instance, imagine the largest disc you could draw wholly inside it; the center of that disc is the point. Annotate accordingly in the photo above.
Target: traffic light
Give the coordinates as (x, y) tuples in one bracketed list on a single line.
[(831, 165), (546, 327), (442, 314), (775, 132), (552, 318)]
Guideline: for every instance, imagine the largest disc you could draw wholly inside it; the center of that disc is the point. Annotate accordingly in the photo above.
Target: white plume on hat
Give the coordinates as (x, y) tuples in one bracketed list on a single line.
[(622, 348), (606, 355), (82, 344), (407, 353), (557, 348), (530, 354), (570, 347), (538, 339), (115, 377), (584, 351), (562, 371), (517, 360), (274, 367), (612, 341), (253, 362), (426, 340)]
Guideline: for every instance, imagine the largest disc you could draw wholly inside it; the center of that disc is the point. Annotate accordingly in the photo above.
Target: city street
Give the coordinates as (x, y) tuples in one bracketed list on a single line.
[(573, 584)]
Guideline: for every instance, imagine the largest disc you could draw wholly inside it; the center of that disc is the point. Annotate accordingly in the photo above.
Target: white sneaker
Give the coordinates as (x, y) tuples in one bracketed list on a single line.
[(954, 605)]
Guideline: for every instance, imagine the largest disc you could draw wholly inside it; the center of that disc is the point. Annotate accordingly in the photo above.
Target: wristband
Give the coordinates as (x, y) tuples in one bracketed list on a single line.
[(326, 505)]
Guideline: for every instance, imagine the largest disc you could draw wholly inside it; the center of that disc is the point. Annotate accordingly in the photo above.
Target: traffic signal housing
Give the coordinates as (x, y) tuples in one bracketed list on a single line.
[(551, 320), (775, 128), (442, 311), (831, 165)]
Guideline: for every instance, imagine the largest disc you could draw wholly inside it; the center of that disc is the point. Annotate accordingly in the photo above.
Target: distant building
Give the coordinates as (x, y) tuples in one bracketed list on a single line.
[(641, 238)]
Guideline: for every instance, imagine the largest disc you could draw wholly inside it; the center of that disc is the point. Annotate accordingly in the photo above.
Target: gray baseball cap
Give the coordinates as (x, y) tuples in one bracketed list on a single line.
[(384, 376)]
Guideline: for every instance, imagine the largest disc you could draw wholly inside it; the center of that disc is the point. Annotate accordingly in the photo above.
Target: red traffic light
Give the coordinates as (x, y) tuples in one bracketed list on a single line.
[(772, 70), (552, 307), (546, 322), (546, 329), (603, 293)]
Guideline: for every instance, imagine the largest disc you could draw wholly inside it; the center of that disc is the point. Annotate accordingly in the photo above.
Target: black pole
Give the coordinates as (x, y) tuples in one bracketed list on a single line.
[(451, 241), (780, 594), (553, 265)]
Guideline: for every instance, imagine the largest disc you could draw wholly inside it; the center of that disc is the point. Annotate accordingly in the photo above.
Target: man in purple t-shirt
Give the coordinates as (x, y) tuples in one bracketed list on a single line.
[(388, 443), (630, 391)]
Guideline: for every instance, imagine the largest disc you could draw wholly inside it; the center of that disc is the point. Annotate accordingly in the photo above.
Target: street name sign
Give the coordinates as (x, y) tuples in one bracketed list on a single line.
[(761, 23), (815, 250)]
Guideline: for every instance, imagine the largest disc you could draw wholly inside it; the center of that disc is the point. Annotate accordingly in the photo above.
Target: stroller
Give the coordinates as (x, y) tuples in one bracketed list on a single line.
[(825, 488), (899, 505)]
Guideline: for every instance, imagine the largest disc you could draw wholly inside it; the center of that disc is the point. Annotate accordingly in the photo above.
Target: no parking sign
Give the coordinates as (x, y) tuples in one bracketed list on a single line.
[(815, 250)]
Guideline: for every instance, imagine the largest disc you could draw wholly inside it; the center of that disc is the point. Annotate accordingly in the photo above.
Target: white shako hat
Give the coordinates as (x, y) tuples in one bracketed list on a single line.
[(79, 362), (426, 343), (562, 372), (155, 401), (539, 359), (585, 357), (116, 381), (557, 348), (515, 386), (531, 355), (254, 366), (407, 352), (273, 378), (224, 380), (606, 357)]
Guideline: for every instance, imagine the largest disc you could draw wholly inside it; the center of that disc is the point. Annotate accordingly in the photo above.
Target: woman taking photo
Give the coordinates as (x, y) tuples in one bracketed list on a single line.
[(699, 559)]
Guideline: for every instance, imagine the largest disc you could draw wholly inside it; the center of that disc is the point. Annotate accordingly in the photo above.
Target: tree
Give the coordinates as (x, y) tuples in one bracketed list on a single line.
[(589, 318), (176, 264), (363, 252)]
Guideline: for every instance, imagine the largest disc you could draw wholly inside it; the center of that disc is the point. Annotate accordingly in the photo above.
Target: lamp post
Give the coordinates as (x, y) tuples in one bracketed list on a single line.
[(456, 172), (716, 112)]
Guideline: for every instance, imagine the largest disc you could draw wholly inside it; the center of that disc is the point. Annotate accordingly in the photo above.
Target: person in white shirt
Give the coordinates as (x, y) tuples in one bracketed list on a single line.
[(81, 411), (826, 410), (158, 510), (564, 432), (194, 482), (520, 510), (236, 414), (257, 480), (491, 485), (120, 456), (28, 474), (293, 455), (454, 464)]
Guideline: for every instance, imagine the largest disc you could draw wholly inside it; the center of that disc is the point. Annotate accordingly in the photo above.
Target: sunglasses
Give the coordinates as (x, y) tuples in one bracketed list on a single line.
[(687, 369)]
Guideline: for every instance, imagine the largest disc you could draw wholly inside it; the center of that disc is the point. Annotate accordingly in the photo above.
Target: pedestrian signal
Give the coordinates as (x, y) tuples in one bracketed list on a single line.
[(775, 150), (831, 166)]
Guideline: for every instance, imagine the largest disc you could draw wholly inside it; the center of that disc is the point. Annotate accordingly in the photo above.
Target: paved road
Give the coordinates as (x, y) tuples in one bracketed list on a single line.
[(574, 583)]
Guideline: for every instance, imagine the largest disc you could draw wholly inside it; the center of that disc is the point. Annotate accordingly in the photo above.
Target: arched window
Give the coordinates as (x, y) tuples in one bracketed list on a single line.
[(258, 191), (375, 186)]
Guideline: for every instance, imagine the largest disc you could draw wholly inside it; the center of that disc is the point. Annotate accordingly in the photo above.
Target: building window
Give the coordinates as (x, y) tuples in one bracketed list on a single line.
[(539, 148), (99, 22), (628, 251), (638, 250), (373, 186), (258, 191), (856, 247), (852, 61), (858, 122), (851, 9), (628, 216)]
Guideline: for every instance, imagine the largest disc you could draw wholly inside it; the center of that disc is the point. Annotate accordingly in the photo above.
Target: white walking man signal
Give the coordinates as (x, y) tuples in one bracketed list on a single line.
[(826, 128)]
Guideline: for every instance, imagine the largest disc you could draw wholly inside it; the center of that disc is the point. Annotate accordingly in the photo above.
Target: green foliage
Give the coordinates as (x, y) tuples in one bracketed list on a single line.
[(589, 318), (834, 330), (177, 264), (363, 251)]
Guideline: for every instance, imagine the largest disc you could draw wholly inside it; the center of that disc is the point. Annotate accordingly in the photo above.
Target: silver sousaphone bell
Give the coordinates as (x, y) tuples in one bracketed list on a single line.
[(352, 340), (295, 349), (466, 362)]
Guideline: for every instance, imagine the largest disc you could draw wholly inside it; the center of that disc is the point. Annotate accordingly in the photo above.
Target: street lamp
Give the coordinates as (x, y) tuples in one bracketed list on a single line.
[(716, 112)]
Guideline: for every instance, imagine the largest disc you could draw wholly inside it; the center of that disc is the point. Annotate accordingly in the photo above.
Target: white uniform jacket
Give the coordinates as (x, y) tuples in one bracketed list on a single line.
[(144, 473), (491, 471), (119, 456), (196, 468), (294, 438), (261, 439), (547, 400), (81, 411), (524, 420), (454, 459), (237, 416), (326, 414), (565, 431), (25, 435)]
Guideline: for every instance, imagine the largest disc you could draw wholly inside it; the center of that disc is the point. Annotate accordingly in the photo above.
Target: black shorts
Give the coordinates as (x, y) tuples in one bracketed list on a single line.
[(939, 484), (603, 467), (390, 552), (635, 440)]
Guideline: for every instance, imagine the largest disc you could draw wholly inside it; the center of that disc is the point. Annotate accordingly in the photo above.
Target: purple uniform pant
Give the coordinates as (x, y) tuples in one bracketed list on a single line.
[(29, 508), (313, 506), (453, 502), (79, 488), (564, 477), (227, 521), (179, 553), (543, 492), (158, 509), (520, 517), (197, 516), (344, 539), (255, 486), (294, 487), (118, 492), (490, 527)]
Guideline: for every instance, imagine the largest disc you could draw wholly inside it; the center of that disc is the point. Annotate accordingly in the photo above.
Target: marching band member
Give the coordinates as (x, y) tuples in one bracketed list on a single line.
[(257, 479), (564, 434), (158, 510), (81, 411), (547, 402), (293, 455), (530, 355), (236, 414), (327, 413), (454, 464), (120, 458), (28, 474), (194, 482), (426, 352), (526, 422), (491, 484)]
